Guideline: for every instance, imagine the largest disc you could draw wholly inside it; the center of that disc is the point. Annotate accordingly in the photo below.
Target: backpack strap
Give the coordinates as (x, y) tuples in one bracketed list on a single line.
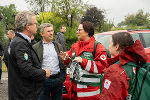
[(95, 45), (138, 98), (107, 52)]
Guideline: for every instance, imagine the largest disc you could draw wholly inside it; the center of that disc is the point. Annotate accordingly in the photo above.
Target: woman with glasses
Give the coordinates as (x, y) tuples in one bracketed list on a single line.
[(87, 59)]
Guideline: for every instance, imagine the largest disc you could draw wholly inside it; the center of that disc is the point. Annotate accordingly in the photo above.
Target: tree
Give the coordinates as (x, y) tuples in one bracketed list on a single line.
[(69, 10), (39, 5), (96, 16), (48, 17), (7, 17), (138, 19)]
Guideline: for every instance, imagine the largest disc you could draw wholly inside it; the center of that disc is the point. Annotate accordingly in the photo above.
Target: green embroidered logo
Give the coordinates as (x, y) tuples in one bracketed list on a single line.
[(25, 56)]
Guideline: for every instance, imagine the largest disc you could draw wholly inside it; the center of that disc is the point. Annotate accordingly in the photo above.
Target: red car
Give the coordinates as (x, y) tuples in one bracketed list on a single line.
[(103, 38), (142, 34)]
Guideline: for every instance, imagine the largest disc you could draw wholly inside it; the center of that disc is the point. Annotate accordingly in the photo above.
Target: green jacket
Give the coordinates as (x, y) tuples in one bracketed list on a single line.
[(38, 47)]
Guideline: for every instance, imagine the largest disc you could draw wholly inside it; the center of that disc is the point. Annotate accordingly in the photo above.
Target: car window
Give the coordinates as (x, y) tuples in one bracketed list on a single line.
[(104, 40), (146, 37), (135, 36)]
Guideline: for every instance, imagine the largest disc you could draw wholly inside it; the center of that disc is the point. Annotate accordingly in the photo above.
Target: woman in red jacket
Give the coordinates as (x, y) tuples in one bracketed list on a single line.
[(119, 77), (86, 62)]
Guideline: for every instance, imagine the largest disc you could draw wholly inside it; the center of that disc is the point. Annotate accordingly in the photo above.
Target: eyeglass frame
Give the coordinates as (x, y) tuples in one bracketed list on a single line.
[(78, 30)]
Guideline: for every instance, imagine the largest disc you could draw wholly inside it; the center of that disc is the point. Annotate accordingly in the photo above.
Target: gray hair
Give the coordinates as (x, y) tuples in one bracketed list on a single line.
[(22, 19), (42, 26), (11, 31)]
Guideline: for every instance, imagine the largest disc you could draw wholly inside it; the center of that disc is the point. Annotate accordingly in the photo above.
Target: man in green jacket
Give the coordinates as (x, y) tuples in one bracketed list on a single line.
[(48, 51)]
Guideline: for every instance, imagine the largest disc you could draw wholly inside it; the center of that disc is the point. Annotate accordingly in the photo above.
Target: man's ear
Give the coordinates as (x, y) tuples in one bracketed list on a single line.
[(27, 27), (41, 33)]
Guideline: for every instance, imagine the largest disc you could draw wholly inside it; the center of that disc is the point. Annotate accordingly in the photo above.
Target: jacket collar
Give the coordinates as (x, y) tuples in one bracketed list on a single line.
[(19, 35), (82, 46), (133, 53)]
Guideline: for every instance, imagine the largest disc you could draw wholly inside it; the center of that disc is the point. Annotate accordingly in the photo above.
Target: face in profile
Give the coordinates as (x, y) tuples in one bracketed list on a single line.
[(33, 27), (10, 35), (113, 49), (81, 33)]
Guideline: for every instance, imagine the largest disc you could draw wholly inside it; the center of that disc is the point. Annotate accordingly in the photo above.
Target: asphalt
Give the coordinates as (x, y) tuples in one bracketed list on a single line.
[(4, 87)]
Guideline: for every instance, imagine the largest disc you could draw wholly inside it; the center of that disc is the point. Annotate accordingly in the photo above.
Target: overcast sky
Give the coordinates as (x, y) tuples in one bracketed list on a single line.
[(116, 10)]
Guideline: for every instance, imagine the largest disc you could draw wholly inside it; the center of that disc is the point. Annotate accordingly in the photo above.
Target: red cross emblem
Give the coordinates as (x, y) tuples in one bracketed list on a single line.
[(103, 57)]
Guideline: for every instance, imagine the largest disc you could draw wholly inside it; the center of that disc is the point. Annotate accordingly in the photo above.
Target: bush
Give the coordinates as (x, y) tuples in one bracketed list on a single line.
[(71, 37)]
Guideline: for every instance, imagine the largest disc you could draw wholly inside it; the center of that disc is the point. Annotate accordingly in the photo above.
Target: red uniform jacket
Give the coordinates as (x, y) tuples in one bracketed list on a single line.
[(100, 54), (115, 81)]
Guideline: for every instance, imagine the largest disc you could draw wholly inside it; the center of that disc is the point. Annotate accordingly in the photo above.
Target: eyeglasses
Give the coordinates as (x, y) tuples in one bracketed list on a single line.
[(78, 30)]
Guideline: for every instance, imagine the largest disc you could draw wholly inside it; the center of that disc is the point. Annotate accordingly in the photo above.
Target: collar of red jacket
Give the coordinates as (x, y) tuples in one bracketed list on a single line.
[(133, 53), (111, 61), (81, 46)]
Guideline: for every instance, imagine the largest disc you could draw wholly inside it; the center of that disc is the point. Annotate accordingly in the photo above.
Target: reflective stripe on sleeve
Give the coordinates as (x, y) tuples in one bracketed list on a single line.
[(95, 67), (88, 66), (87, 94), (93, 80), (81, 86)]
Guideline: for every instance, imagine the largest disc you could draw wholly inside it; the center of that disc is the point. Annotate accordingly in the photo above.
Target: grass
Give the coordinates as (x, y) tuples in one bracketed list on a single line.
[(4, 68)]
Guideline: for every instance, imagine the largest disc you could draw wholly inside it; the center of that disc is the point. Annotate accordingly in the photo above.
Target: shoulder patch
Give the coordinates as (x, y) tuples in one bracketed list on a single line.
[(107, 84), (134, 70), (103, 57), (25, 56)]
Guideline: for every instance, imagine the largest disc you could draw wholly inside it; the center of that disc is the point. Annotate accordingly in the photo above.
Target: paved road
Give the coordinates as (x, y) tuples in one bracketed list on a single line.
[(4, 87)]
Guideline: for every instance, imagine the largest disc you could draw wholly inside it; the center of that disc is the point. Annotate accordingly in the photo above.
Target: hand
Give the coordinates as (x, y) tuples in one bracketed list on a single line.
[(48, 72), (77, 59), (63, 55)]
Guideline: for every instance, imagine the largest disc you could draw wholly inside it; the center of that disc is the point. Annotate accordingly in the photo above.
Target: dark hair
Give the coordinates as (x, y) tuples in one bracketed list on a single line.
[(123, 39), (88, 27)]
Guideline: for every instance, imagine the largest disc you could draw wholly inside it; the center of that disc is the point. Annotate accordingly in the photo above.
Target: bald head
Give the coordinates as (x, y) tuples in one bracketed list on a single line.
[(10, 34)]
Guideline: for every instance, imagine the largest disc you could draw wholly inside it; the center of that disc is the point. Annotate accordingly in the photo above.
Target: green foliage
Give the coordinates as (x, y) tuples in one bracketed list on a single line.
[(56, 21), (138, 19), (7, 15), (2, 31), (71, 37), (39, 5), (131, 27), (69, 10), (48, 17), (107, 26)]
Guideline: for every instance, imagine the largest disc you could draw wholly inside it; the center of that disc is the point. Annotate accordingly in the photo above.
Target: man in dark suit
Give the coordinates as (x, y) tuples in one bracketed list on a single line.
[(25, 75), (10, 35)]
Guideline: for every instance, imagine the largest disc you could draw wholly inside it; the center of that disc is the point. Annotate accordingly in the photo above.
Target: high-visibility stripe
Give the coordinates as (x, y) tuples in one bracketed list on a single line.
[(88, 66), (93, 80), (87, 83), (95, 67), (81, 86), (86, 72), (87, 94)]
